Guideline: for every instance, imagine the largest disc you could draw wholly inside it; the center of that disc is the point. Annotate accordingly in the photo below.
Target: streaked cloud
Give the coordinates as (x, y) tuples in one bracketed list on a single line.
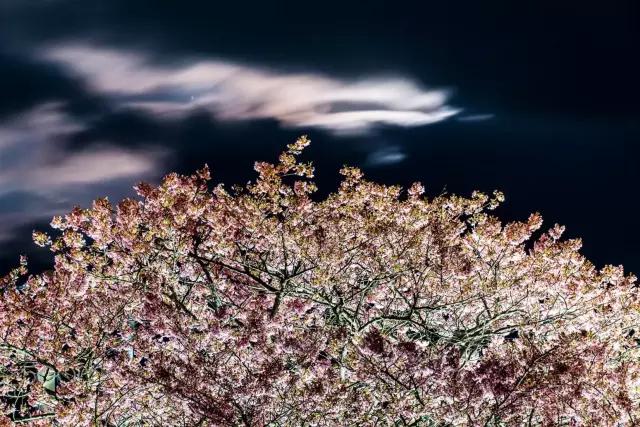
[(233, 91), (99, 165), (39, 178), (385, 156), (475, 117)]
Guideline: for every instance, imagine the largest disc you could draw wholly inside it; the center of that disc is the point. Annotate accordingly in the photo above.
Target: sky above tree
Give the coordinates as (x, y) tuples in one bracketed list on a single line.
[(538, 101)]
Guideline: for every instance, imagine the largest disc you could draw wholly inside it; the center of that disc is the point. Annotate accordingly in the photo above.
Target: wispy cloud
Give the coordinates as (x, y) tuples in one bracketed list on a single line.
[(385, 156), (39, 178), (475, 117), (233, 91)]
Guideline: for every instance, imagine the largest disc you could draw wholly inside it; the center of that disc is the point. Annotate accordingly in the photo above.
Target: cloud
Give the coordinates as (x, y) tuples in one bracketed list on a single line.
[(232, 91), (100, 165), (475, 117), (39, 178), (385, 156), (44, 122)]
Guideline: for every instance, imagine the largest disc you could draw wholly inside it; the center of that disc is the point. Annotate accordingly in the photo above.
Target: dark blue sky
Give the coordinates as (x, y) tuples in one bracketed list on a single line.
[(537, 100)]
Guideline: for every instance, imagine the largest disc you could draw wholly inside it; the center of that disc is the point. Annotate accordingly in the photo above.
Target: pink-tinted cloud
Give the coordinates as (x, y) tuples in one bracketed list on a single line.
[(39, 178), (232, 91)]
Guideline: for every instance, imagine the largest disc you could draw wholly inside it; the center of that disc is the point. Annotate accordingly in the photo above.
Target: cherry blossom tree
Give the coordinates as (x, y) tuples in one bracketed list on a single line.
[(195, 305)]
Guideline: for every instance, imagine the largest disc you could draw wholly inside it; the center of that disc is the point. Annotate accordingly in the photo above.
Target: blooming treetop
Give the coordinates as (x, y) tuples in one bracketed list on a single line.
[(264, 307)]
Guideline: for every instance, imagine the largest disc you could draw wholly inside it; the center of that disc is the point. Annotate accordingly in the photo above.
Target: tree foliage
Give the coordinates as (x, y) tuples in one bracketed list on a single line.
[(261, 306)]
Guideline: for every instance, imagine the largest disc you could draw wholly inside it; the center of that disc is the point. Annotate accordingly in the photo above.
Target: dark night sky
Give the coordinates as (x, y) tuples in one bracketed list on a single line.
[(538, 100)]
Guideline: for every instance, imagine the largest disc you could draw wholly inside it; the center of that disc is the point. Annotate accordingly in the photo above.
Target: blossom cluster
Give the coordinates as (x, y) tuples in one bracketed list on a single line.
[(195, 305)]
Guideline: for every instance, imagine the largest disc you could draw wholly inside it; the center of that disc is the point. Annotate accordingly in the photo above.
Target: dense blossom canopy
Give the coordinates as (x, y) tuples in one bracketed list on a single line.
[(261, 306)]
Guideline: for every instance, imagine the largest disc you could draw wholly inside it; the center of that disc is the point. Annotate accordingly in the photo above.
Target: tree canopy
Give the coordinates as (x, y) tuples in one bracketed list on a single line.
[(194, 305)]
